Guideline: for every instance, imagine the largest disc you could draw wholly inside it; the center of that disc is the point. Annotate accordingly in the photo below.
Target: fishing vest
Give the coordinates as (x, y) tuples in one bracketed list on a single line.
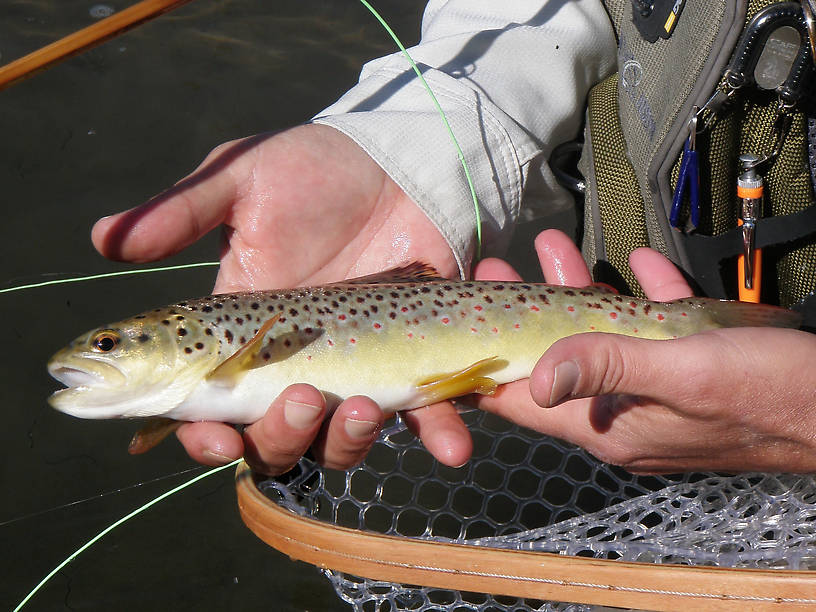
[(738, 70)]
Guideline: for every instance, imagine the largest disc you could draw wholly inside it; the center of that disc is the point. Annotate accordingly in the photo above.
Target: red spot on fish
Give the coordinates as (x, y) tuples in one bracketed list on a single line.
[(535, 308), (353, 340), (331, 343), (377, 326), (683, 314), (410, 335), (446, 320), (660, 317), (635, 330), (570, 308), (404, 309), (473, 329), (517, 326), (308, 357), (592, 327), (422, 337), (462, 314), (342, 317), (613, 315), (495, 330), (478, 307), (507, 306)]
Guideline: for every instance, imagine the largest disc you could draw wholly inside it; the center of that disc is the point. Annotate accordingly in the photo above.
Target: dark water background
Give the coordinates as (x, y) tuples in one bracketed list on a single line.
[(99, 133)]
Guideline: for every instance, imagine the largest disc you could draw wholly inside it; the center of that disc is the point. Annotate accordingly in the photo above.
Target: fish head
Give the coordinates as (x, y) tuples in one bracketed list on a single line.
[(139, 367)]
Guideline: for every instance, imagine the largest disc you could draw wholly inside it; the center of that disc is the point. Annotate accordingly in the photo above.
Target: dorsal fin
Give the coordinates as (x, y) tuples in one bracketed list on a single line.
[(229, 371), (414, 272)]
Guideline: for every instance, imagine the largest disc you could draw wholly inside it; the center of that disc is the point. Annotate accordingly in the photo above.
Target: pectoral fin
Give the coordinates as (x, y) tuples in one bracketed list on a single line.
[(152, 434), (453, 384), (230, 371)]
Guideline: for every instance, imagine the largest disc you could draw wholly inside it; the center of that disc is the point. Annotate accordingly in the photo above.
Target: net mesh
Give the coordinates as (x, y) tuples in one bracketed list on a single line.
[(526, 491)]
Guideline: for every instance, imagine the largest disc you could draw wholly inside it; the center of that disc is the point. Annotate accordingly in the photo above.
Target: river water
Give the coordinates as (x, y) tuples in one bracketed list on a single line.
[(102, 132)]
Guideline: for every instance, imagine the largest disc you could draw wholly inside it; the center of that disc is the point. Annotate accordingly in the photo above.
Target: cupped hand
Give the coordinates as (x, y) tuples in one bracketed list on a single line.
[(738, 399), (302, 207)]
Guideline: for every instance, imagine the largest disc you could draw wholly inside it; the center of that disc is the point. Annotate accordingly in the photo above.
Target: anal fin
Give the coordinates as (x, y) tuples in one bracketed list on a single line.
[(454, 384)]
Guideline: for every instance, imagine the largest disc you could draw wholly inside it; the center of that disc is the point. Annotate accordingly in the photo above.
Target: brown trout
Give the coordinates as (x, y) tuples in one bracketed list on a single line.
[(403, 338)]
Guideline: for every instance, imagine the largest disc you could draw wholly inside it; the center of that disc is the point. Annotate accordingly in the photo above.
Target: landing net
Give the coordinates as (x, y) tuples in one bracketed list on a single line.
[(528, 492)]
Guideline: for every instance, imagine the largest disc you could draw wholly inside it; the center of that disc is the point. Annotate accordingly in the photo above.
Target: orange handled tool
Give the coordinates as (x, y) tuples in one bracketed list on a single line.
[(749, 264), (83, 39)]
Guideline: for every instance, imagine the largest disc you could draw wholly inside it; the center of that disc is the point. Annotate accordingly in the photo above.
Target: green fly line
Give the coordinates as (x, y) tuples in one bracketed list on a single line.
[(444, 120), (79, 279), (124, 519), (213, 471)]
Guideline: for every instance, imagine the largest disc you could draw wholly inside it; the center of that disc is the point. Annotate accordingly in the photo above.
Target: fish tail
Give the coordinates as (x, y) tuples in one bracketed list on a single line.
[(726, 313)]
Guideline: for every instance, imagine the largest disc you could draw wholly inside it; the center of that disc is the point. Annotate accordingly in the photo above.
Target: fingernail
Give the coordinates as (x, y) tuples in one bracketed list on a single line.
[(223, 459), (358, 429), (299, 415), (565, 379)]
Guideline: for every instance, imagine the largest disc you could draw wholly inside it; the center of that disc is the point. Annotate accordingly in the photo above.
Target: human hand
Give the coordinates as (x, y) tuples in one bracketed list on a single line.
[(302, 207), (737, 399)]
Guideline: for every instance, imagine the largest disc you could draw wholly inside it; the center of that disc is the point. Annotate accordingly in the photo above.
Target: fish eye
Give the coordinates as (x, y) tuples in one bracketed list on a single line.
[(105, 341)]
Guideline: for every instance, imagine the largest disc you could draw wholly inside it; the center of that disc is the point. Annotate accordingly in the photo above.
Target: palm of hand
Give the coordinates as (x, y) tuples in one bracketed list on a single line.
[(305, 206)]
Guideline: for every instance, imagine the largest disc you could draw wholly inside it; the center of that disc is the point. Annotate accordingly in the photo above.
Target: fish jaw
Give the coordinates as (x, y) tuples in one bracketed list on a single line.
[(148, 372)]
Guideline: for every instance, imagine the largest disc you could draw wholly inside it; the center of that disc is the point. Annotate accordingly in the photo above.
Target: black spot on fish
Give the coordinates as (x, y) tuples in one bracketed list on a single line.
[(226, 317), (569, 292), (206, 309), (242, 340), (266, 356), (488, 299), (208, 331), (425, 289), (287, 343), (181, 331), (374, 308), (379, 297), (165, 322), (522, 299), (498, 287), (255, 306), (228, 336), (239, 320), (343, 298), (392, 315), (143, 338), (199, 345), (188, 350), (293, 312), (352, 311), (218, 305), (543, 298)]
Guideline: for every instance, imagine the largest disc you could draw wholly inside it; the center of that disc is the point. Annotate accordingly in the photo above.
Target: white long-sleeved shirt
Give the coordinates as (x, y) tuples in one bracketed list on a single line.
[(512, 78)]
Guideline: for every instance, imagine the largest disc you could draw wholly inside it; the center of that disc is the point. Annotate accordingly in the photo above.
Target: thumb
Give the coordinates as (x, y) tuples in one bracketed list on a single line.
[(588, 365)]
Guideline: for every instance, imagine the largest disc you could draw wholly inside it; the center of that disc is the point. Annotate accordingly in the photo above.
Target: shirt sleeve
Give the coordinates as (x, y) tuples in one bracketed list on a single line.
[(512, 78)]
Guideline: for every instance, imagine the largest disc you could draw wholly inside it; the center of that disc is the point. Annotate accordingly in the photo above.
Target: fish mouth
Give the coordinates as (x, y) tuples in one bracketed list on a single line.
[(75, 377), (91, 384)]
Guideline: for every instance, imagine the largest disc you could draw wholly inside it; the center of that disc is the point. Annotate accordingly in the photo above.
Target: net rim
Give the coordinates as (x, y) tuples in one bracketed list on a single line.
[(529, 574)]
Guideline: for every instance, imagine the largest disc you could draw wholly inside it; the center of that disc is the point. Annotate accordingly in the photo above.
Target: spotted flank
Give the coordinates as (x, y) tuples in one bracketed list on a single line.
[(404, 338)]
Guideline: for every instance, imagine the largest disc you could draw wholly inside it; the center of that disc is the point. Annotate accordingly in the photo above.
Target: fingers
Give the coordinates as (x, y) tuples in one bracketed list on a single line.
[(561, 261), (660, 278), (589, 365), (349, 434), (181, 215), (442, 431), (211, 443), (495, 269)]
